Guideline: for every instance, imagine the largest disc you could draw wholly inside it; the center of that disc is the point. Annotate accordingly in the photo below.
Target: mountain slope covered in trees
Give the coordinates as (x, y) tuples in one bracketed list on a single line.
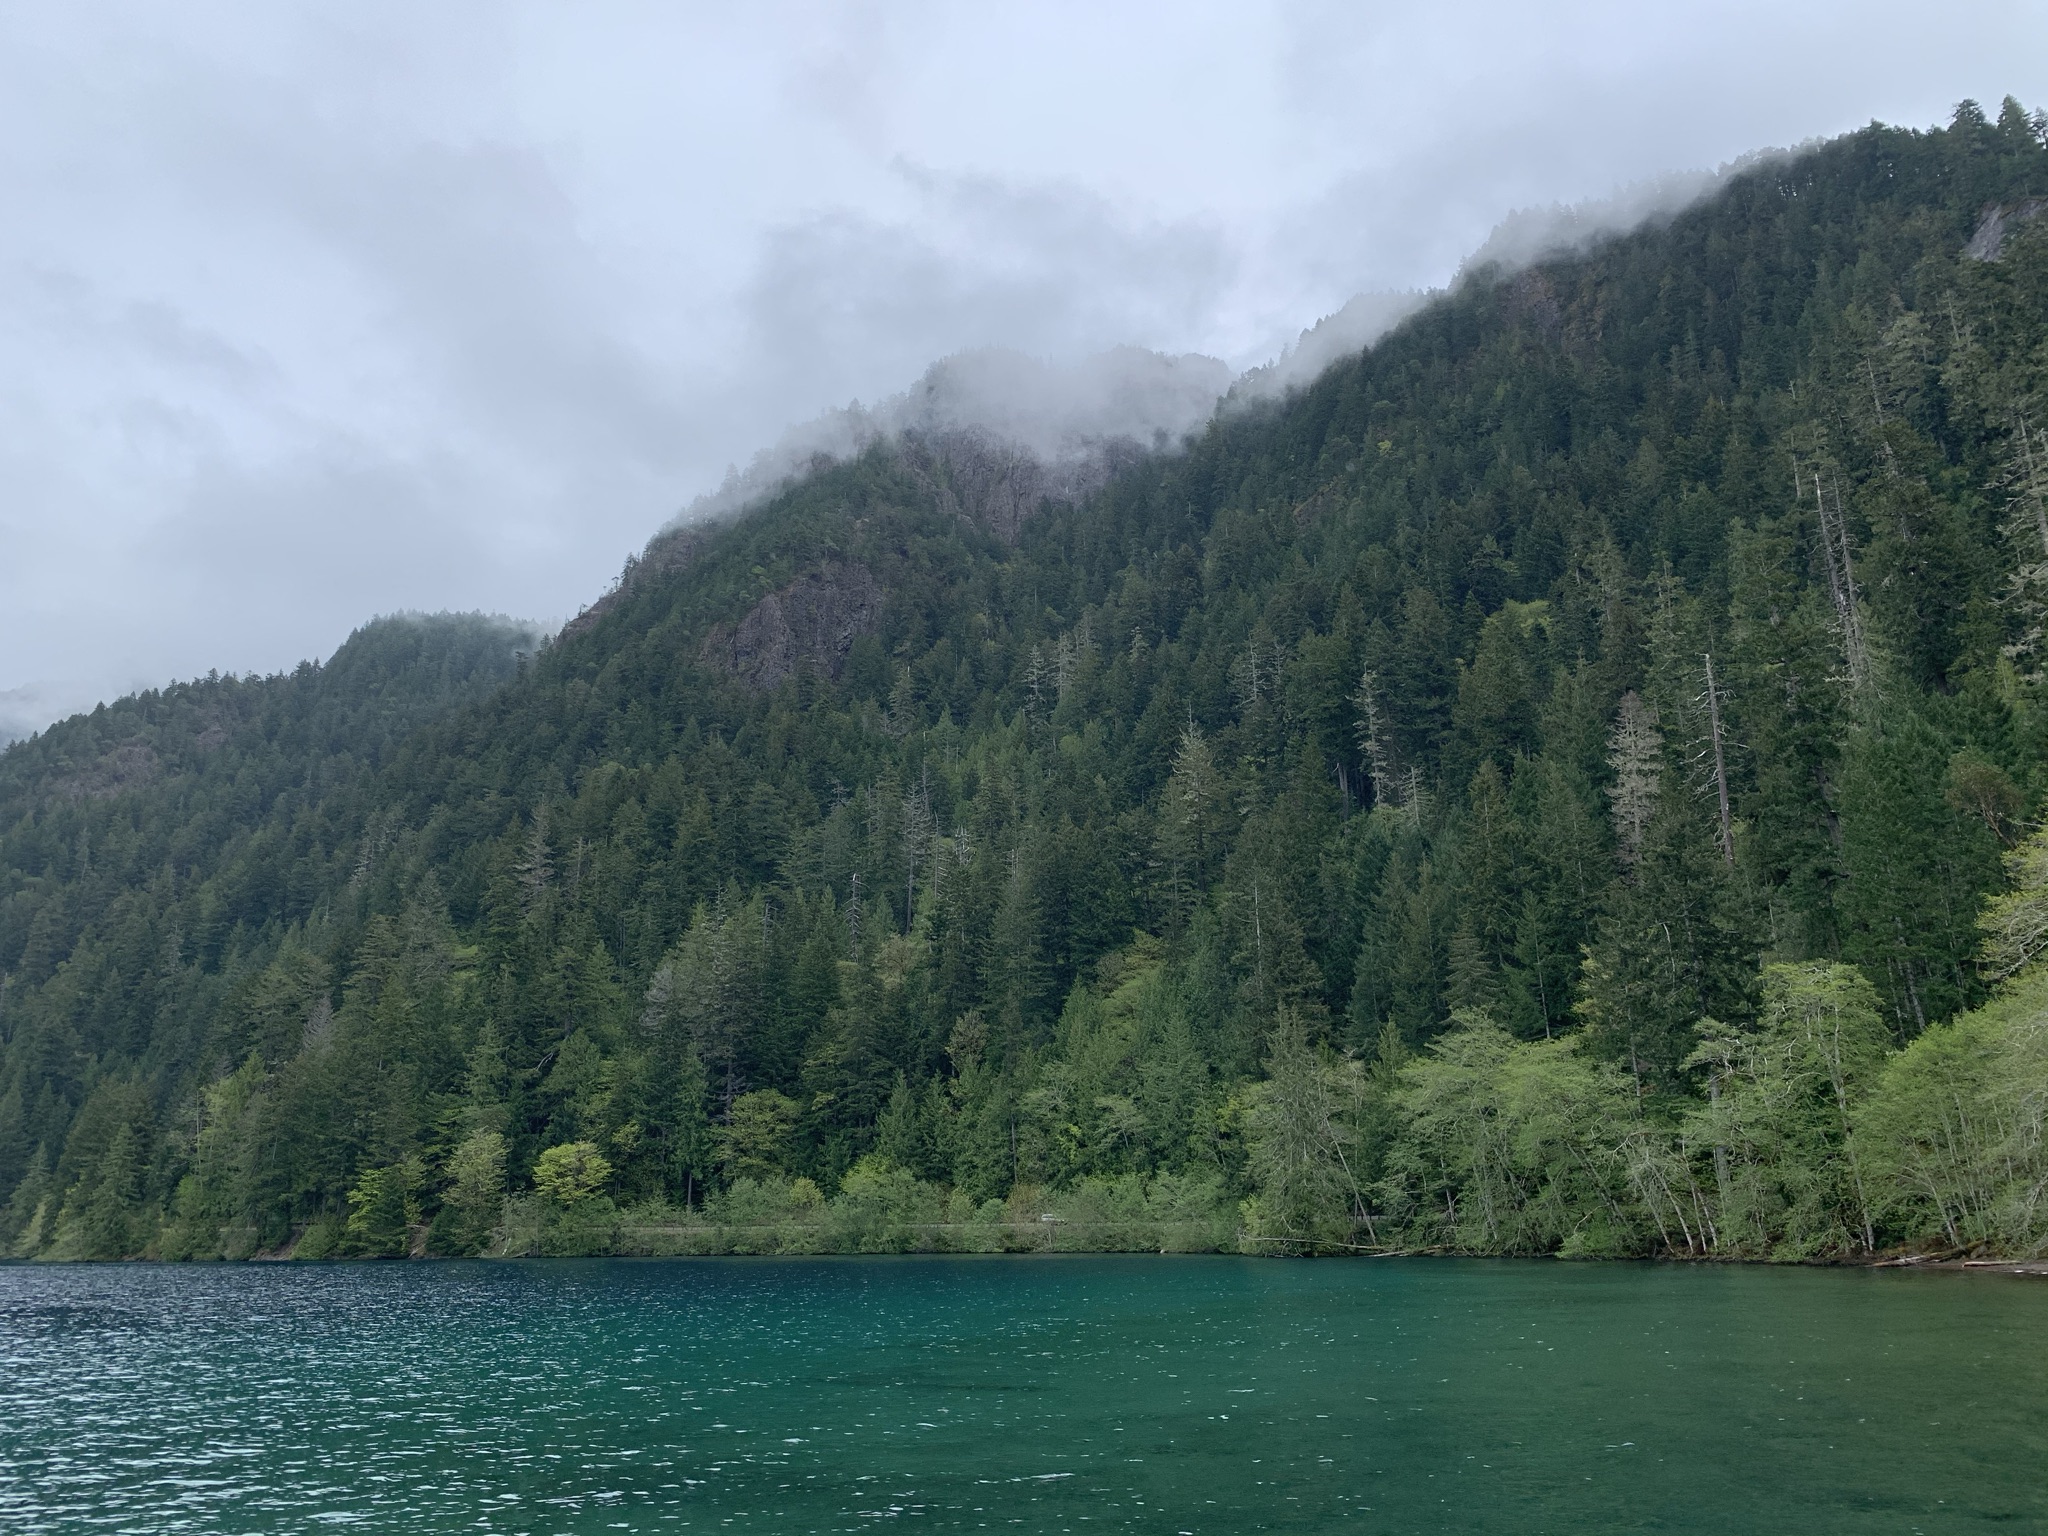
[(1537, 789)]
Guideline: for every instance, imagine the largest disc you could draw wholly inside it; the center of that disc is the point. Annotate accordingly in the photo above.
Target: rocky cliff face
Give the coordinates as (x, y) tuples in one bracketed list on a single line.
[(812, 623), (1988, 243)]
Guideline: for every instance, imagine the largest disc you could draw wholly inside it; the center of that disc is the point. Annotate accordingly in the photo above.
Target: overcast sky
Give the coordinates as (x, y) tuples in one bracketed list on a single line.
[(309, 313)]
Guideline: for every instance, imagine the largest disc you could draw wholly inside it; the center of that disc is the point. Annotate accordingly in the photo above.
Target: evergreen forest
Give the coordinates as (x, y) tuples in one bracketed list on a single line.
[(1567, 781)]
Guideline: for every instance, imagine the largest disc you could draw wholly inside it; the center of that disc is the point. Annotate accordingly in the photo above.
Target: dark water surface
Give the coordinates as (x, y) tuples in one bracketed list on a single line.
[(1059, 1394)]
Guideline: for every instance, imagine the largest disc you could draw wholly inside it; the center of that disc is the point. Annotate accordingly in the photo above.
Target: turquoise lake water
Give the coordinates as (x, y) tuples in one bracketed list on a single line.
[(1148, 1394)]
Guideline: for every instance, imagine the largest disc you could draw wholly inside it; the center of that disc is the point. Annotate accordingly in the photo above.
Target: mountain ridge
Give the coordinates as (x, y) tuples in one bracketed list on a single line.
[(1245, 833)]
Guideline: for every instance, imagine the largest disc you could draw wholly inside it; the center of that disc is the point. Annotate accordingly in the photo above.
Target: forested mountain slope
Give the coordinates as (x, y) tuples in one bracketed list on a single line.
[(1520, 793), (148, 848)]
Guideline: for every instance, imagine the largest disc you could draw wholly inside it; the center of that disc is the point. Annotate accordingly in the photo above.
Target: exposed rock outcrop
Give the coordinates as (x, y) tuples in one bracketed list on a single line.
[(1997, 225), (812, 623)]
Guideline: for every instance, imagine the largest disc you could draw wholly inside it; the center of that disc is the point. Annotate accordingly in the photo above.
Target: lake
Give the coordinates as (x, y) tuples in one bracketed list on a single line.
[(1201, 1395)]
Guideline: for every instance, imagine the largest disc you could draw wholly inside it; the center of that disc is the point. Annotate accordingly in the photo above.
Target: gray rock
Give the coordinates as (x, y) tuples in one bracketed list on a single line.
[(811, 622), (1997, 223)]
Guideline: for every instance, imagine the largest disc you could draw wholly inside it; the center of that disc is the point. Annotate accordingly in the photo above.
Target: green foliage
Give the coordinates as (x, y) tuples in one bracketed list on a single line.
[(474, 1199), (1515, 1147), (1302, 1133), (759, 1134), (383, 1210), (1781, 1104), (1437, 809), (571, 1174), (212, 1218), (1951, 1135), (2015, 922), (568, 1213)]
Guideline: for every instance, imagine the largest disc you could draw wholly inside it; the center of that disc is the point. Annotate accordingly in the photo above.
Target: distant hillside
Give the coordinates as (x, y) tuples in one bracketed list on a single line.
[(1546, 786)]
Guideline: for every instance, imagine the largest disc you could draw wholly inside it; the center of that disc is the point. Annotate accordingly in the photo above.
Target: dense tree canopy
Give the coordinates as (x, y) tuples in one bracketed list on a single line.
[(1530, 790)]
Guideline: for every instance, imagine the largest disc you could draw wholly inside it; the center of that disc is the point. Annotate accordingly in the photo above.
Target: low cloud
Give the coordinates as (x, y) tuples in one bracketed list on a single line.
[(1062, 413)]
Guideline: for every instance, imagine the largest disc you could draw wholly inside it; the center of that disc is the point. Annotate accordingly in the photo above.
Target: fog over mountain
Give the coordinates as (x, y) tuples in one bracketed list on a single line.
[(313, 314), (1060, 413), (1074, 417)]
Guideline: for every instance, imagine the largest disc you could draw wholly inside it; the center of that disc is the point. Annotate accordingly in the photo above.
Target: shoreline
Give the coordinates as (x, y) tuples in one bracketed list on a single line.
[(2024, 1268), (2036, 1269)]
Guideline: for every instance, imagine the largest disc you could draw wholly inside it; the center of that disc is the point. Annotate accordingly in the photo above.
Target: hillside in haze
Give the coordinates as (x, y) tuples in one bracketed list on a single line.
[(1562, 781)]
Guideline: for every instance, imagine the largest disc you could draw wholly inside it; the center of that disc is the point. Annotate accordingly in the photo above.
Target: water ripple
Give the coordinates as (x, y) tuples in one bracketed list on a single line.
[(1170, 1395)]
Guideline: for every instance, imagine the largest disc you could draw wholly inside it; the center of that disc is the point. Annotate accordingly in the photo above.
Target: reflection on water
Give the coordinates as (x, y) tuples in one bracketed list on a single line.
[(1145, 1394)]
